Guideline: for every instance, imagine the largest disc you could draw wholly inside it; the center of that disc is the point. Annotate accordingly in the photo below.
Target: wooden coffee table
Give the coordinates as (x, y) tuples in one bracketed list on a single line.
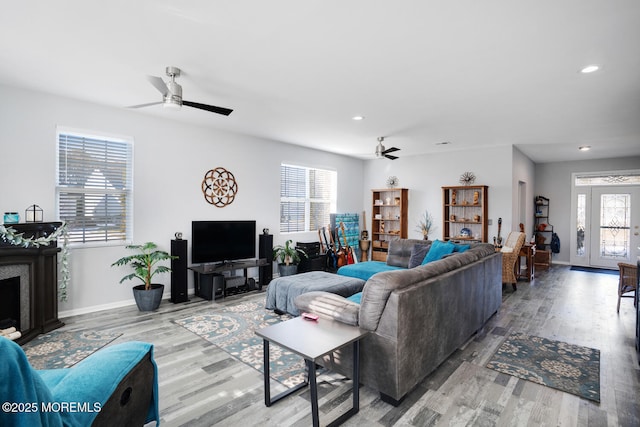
[(312, 340)]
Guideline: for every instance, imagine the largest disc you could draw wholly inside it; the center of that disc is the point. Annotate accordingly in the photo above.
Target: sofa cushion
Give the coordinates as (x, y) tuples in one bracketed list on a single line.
[(364, 270), (357, 298), (418, 252), (438, 250), (400, 251), (329, 305)]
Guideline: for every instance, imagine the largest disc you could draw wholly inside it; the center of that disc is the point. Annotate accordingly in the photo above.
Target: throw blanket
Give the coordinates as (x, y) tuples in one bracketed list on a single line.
[(23, 388), (282, 292), (90, 382), (364, 270)]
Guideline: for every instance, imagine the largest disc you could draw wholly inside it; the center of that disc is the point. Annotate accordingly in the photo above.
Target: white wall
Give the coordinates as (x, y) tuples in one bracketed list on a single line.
[(553, 180), (425, 176), (523, 172), (170, 160)]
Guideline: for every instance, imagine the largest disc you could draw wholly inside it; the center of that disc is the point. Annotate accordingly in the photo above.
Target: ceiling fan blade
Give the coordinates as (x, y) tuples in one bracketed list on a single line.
[(390, 150), (159, 84), (390, 157), (212, 108), (144, 105)]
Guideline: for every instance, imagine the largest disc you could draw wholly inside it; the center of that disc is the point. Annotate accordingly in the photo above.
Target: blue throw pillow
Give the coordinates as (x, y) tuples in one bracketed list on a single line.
[(438, 250), (356, 298), (461, 248)]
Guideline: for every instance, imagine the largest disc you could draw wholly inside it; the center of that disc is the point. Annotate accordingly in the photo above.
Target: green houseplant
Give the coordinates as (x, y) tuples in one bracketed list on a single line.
[(288, 258), (145, 266)]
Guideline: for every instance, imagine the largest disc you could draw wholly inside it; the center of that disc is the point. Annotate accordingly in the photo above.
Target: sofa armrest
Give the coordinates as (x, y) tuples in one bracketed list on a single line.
[(329, 305), (103, 379)]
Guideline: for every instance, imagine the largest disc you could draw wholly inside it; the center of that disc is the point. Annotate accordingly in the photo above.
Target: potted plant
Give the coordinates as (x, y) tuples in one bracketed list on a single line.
[(288, 258), (425, 224), (147, 295)]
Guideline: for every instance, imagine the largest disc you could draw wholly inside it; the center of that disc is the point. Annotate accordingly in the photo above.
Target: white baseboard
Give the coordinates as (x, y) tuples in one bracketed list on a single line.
[(101, 307)]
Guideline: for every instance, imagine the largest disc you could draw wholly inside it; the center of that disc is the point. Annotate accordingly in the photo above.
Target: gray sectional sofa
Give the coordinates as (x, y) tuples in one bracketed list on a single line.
[(417, 317)]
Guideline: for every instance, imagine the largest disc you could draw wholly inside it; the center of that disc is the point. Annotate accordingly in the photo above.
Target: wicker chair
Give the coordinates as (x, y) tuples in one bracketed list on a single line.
[(628, 282), (511, 257)]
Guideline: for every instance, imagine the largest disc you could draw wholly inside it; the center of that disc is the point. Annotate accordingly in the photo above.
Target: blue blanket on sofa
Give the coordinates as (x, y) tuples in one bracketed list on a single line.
[(364, 270)]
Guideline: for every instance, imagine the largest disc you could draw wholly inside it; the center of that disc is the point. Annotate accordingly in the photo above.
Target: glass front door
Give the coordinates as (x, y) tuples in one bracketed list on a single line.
[(615, 226)]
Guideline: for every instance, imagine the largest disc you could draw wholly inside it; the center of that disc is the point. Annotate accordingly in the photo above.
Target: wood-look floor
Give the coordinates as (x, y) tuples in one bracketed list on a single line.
[(201, 385)]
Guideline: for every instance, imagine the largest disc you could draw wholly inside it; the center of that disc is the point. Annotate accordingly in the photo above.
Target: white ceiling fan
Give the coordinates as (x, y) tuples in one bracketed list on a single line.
[(381, 152), (172, 94)]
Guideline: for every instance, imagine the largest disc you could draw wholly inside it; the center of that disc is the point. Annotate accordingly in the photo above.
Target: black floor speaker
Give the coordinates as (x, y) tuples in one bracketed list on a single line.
[(265, 250), (179, 271)]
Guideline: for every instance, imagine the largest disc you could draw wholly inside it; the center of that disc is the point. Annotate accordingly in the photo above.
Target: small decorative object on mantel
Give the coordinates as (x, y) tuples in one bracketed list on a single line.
[(219, 187), (467, 178), (392, 181), (11, 217), (33, 214)]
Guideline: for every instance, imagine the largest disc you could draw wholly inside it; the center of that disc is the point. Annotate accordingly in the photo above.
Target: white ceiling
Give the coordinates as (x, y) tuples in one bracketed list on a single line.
[(475, 73)]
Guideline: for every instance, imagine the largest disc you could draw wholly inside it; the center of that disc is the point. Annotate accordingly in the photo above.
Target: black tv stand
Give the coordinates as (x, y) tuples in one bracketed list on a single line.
[(204, 274)]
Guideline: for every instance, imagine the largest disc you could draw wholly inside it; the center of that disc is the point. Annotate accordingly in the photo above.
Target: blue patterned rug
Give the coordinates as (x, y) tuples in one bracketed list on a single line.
[(570, 368), (233, 330), (63, 349)]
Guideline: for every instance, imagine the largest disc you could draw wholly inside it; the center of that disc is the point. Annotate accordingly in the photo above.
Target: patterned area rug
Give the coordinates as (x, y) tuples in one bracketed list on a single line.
[(566, 367), (233, 330), (63, 349)]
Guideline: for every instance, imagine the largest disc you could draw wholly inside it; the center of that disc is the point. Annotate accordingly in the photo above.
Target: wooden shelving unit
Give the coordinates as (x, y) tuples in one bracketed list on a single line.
[(465, 208), (388, 219)]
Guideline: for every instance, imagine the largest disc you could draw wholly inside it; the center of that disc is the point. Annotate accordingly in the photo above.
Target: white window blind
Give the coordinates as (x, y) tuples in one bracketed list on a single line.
[(307, 197), (94, 187)]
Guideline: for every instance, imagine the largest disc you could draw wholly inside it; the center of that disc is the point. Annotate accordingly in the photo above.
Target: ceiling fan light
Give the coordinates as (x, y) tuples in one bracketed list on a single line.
[(172, 103), (590, 69)]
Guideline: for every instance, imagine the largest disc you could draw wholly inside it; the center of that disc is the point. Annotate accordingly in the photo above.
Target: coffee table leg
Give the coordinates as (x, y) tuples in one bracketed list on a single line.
[(268, 400), (265, 361), (311, 369), (355, 408), (356, 376)]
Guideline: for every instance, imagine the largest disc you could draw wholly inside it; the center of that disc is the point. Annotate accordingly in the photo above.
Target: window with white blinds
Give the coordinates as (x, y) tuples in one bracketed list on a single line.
[(94, 187), (307, 197)]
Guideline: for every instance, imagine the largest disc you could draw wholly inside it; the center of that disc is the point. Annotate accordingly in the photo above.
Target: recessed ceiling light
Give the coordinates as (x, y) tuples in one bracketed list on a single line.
[(590, 69), (584, 148), (357, 118)]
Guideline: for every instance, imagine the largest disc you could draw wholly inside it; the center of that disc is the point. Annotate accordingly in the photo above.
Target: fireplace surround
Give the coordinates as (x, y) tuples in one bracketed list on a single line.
[(37, 269)]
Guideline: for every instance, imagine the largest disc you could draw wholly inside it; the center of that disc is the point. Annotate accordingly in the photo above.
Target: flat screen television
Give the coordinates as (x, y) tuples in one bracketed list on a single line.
[(220, 241)]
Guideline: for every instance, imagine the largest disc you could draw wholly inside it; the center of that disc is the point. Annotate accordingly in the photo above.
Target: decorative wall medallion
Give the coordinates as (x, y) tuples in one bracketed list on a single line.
[(392, 181), (219, 187), (467, 178)]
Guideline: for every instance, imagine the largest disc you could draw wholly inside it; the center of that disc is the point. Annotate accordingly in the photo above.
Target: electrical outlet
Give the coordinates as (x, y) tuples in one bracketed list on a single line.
[(490, 221)]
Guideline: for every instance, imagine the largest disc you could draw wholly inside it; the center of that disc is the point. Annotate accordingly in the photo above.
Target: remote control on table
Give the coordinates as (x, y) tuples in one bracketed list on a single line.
[(309, 316)]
